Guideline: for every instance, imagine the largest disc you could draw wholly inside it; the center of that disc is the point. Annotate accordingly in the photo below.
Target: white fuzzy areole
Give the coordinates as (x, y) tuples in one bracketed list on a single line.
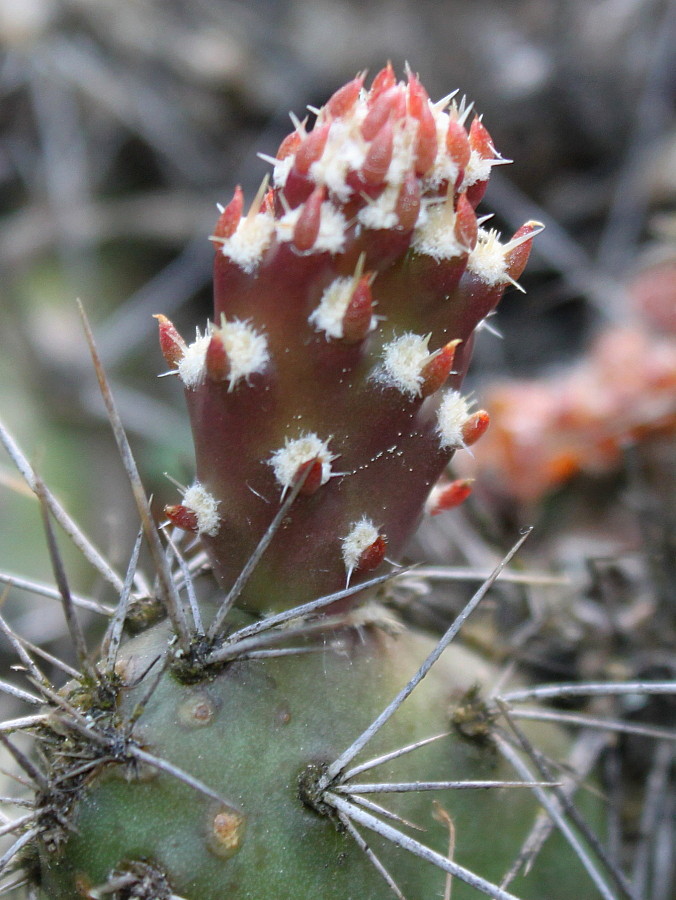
[(328, 316), (435, 234), (205, 506), (487, 259), (332, 228), (359, 538), (452, 414), (251, 239), (247, 350), (344, 152), (288, 459), (381, 212), (191, 369), (478, 169), (403, 359)]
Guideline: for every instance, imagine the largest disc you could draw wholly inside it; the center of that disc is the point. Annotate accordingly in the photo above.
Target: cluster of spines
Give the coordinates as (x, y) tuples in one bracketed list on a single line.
[(346, 299)]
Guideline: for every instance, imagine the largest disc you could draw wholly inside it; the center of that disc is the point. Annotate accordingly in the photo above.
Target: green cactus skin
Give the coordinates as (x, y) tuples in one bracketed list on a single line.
[(249, 733), (331, 296)]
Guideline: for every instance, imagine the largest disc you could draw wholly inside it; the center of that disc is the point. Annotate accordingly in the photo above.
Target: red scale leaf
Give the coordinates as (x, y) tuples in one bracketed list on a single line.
[(172, 344), (372, 557), (307, 225), (216, 362), (181, 517), (357, 317)]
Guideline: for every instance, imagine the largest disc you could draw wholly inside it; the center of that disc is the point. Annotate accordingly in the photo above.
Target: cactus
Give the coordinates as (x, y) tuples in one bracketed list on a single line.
[(231, 749)]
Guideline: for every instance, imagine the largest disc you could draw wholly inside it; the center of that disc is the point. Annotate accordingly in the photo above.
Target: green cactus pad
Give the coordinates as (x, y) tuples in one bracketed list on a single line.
[(258, 729)]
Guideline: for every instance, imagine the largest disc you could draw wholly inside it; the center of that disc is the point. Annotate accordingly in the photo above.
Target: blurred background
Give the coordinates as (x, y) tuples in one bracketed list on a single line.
[(124, 123)]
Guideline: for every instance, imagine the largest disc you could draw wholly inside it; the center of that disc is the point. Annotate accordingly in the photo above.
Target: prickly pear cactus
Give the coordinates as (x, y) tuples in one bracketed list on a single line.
[(289, 737)]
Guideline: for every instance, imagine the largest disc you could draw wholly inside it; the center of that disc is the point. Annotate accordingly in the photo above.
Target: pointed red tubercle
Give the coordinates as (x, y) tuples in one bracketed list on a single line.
[(289, 145), (216, 360), (344, 98), (480, 140), (378, 156), (390, 104), (437, 368), (359, 312), (450, 495), (228, 220), (372, 557), (516, 259), (311, 473), (426, 140), (475, 427), (311, 148), (457, 143), (466, 226), (307, 225), (172, 345), (384, 80), (181, 517), (408, 202)]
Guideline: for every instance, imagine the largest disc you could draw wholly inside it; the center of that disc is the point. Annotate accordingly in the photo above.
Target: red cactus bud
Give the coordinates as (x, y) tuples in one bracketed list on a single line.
[(517, 255), (426, 140), (379, 156), (311, 472), (408, 202), (306, 228), (216, 360), (475, 427), (450, 495), (345, 97), (372, 557), (229, 219), (289, 145), (182, 517), (437, 368), (466, 226), (384, 80), (480, 140), (390, 104), (172, 345), (359, 312), (311, 148)]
